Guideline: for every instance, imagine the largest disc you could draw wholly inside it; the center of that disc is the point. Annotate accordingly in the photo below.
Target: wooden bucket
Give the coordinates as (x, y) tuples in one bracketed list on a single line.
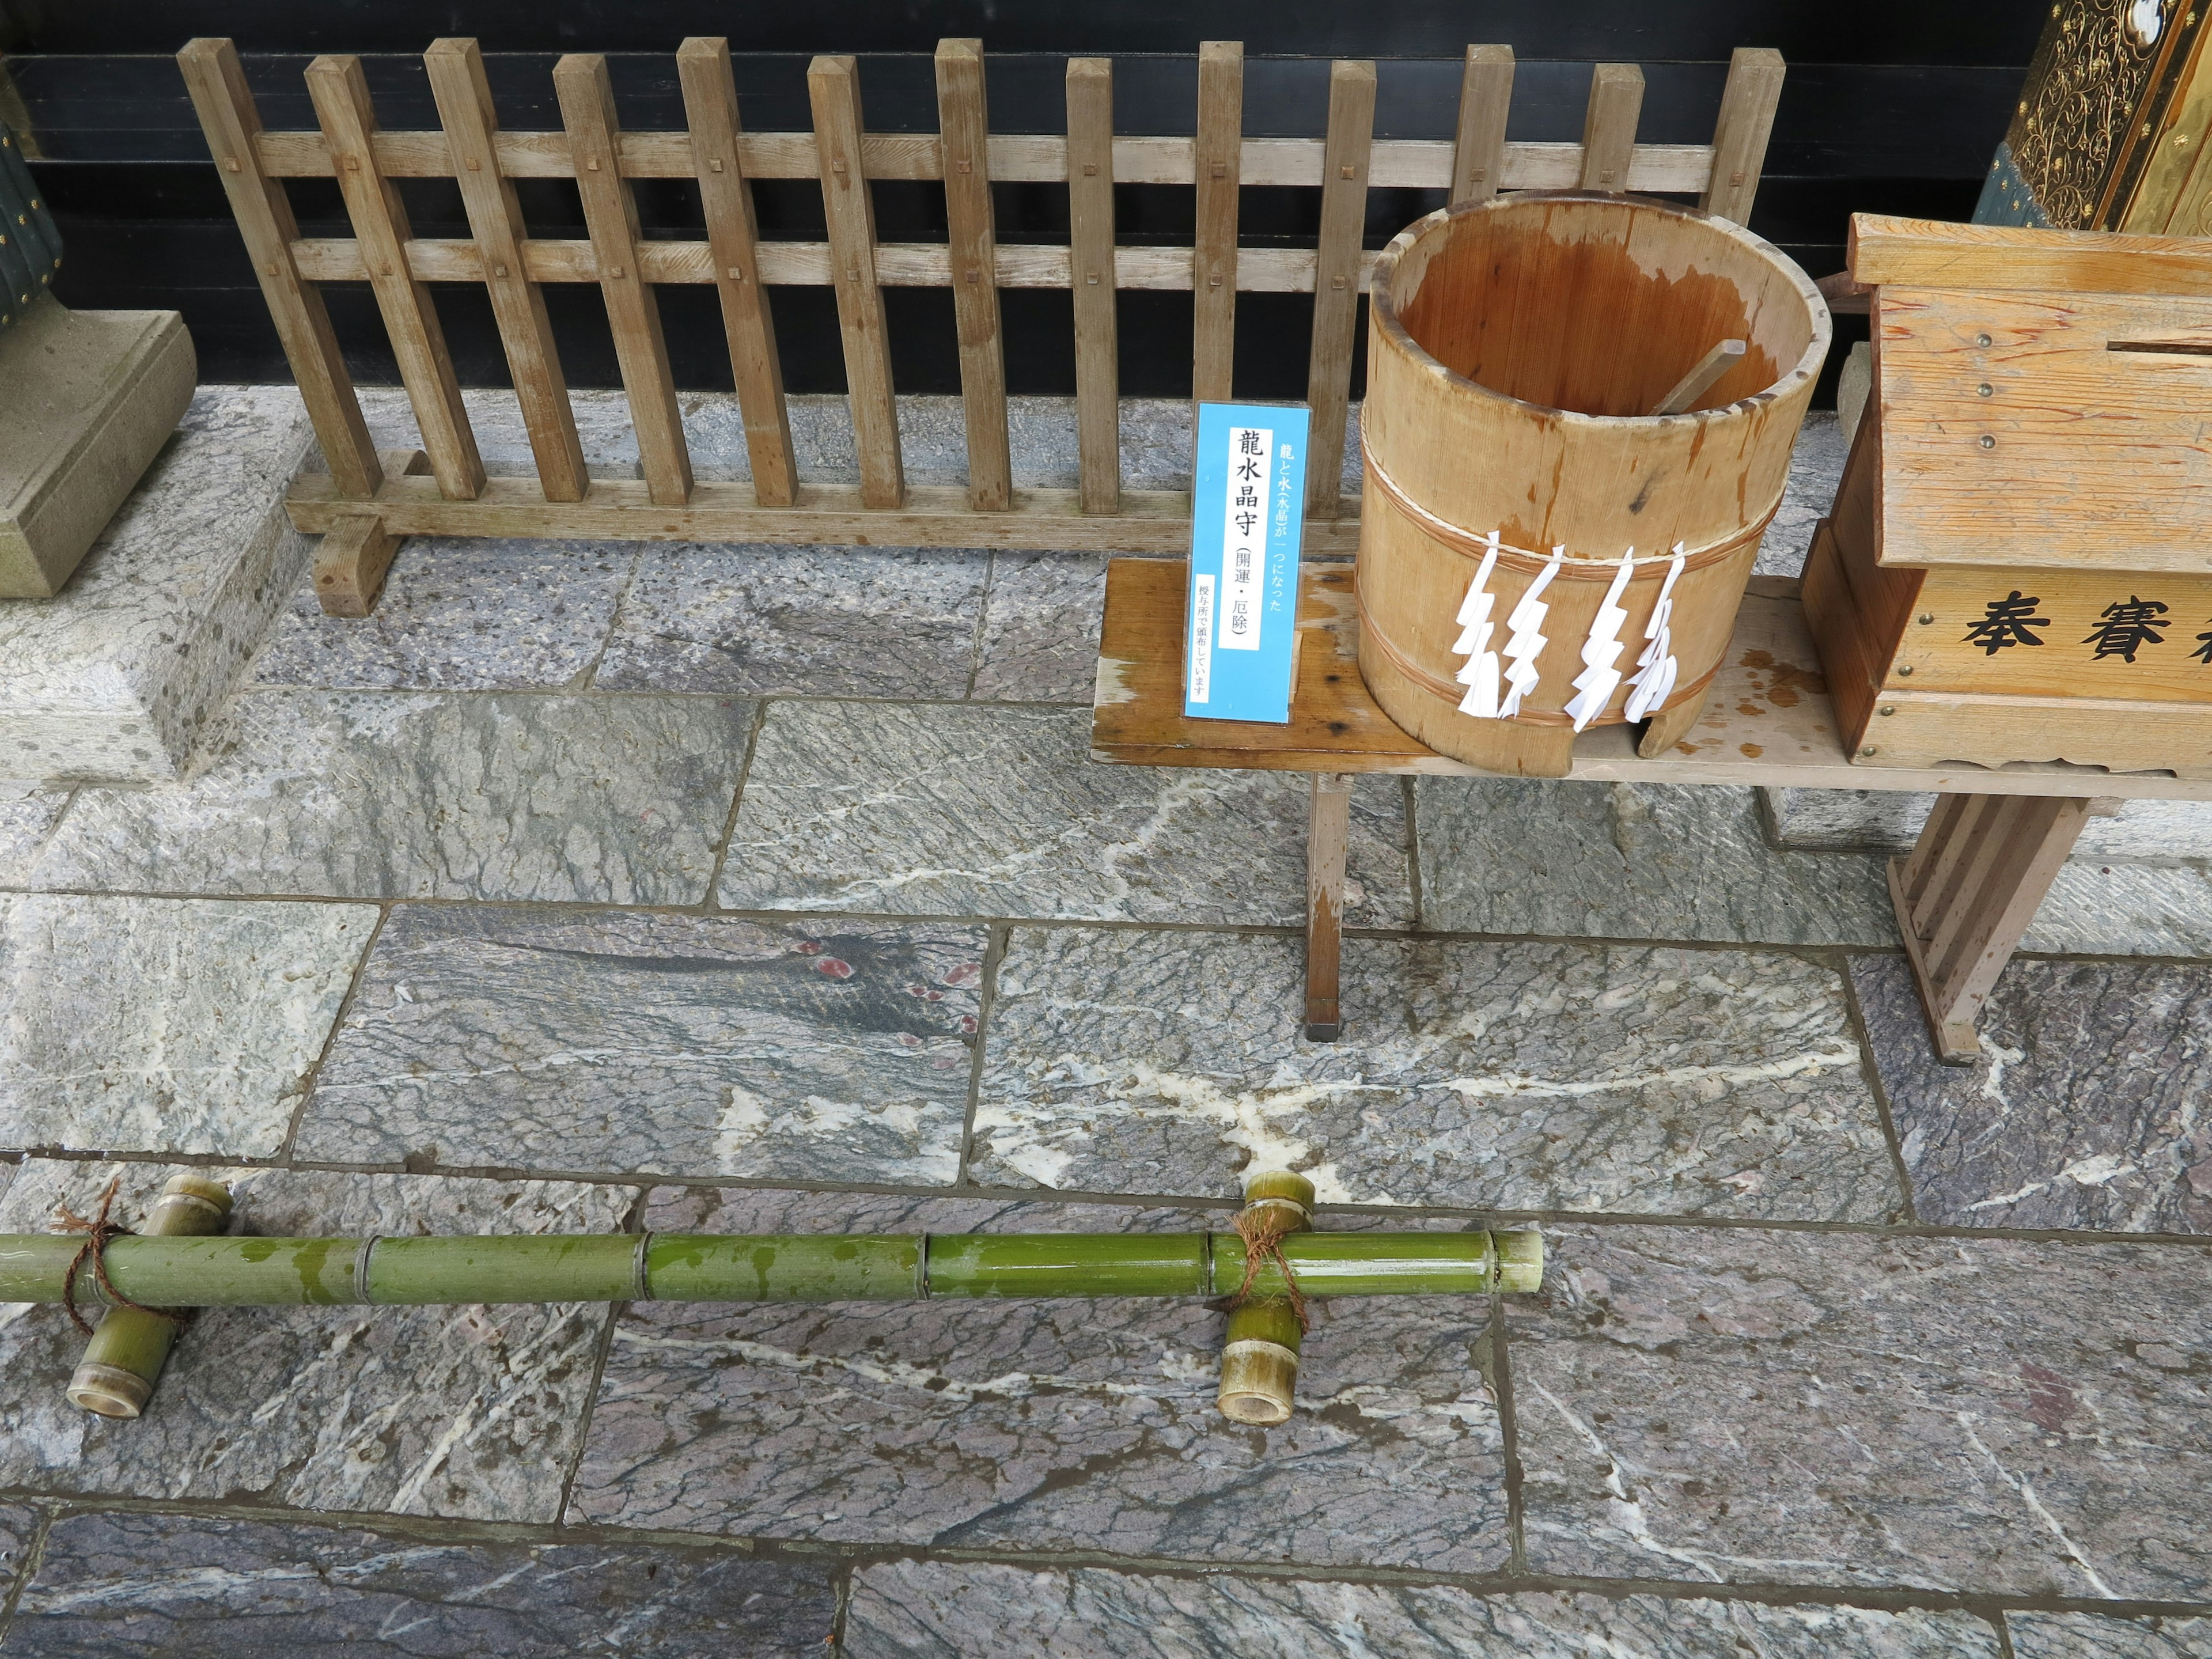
[(1515, 348)]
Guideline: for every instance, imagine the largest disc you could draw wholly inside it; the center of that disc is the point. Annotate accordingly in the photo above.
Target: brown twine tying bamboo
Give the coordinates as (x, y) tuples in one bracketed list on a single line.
[(1263, 1227), (98, 1230)]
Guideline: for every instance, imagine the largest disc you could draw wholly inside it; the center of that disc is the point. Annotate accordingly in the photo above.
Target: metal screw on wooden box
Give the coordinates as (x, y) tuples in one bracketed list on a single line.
[(164, 1268), (1516, 347)]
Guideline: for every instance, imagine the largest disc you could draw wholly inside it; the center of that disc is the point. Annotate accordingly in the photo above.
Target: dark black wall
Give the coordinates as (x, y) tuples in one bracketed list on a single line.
[(1888, 107)]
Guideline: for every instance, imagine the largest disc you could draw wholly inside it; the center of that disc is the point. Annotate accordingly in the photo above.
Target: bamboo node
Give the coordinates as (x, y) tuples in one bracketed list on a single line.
[(98, 1230)]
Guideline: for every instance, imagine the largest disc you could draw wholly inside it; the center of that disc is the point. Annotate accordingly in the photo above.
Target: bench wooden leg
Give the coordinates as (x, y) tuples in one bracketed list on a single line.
[(357, 551), (1328, 832), (1968, 891)]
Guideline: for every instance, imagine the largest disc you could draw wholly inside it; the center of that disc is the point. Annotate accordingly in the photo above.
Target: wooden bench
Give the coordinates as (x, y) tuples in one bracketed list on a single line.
[(1964, 895)]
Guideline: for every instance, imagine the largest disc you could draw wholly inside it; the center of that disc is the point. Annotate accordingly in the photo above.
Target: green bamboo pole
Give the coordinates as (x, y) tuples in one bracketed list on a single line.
[(124, 1359), (1260, 1349), (210, 1273)]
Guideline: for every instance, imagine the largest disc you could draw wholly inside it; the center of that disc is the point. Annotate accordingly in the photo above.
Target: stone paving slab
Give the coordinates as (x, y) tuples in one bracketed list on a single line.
[(493, 795), (191, 1587), (467, 1411), (460, 613), (1629, 861), (944, 1610), (2094, 1636), (2125, 909), (19, 1525), (940, 810), (1074, 1425), (1520, 1076), (889, 621), (2083, 1110), (684, 1045), (175, 1025), (1756, 1406), (1040, 628), (1888, 821)]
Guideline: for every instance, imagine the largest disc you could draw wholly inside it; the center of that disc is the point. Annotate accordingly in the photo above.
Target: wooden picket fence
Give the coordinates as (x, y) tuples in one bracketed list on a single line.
[(369, 500)]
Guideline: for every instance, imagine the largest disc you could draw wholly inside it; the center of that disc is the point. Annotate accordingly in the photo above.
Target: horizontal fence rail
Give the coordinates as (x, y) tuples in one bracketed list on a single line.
[(445, 486)]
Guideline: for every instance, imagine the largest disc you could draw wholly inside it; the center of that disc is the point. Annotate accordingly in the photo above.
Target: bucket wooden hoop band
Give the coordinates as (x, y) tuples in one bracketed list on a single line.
[(1446, 689), (1468, 545)]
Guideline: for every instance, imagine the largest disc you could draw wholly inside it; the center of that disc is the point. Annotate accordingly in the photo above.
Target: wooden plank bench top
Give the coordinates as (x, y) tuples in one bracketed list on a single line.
[(1963, 897), (1768, 721)]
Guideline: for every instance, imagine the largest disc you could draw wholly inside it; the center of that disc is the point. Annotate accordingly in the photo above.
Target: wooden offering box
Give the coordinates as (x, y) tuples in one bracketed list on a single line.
[(2019, 564)]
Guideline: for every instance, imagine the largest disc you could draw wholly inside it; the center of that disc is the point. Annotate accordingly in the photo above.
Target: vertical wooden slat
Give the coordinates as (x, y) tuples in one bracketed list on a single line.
[(963, 126), (833, 87), (1616, 99), (1091, 271), (710, 109), (379, 221), (456, 73), (217, 85), (1486, 95), (587, 110), (1336, 276), (1219, 160), (1754, 88)]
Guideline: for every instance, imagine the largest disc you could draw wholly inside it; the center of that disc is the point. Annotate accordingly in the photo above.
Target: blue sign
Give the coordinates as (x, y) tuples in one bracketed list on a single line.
[(1248, 517)]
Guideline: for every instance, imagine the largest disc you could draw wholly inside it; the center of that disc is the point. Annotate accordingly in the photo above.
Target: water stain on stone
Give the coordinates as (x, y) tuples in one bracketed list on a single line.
[(2051, 1398)]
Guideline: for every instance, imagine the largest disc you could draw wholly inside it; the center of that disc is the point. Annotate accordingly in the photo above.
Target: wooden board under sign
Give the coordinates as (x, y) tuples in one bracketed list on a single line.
[(1770, 719)]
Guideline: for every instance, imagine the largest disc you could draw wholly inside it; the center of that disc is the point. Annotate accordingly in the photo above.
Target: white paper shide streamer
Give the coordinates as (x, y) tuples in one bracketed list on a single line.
[(1523, 642), (1654, 678), (1480, 673), (1595, 684)]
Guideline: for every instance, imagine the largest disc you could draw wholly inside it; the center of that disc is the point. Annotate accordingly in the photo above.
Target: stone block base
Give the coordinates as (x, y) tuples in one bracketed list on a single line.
[(110, 681), (87, 400)]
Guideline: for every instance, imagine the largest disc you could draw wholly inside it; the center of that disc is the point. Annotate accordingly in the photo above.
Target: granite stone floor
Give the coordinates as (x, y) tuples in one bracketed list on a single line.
[(607, 887)]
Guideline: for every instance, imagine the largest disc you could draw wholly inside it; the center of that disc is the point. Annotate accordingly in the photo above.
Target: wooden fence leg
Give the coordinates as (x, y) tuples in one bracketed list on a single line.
[(1968, 891), (1328, 832), (356, 552)]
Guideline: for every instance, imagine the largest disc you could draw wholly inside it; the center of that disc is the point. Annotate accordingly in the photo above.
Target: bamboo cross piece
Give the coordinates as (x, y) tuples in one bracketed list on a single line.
[(208, 1272), (271, 1272)]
